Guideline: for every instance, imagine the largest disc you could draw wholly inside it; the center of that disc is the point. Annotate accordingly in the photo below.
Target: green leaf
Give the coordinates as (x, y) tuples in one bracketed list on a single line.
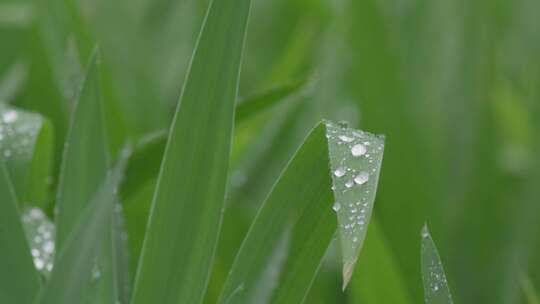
[(184, 221), (251, 105), (26, 142), (84, 167), (378, 279), (19, 281), (436, 289), (12, 80), (85, 159), (147, 155), (60, 43), (356, 159), (77, 261), (281, 254)]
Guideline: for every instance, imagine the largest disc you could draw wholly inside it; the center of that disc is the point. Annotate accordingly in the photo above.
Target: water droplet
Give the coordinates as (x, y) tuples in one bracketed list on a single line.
[(10, 116), (39, 263), (349, 184), (361, 178), (96, 272), (336, 207), (425, 232), (346, 138), (339, 172), (358, 150), (40, 234)]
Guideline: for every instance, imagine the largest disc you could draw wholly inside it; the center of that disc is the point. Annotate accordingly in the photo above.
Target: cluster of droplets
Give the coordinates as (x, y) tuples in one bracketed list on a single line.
[(359, 148), (437, 279), (16, 134), (356, 157), (40, 232), (437, 285), (355, 219)]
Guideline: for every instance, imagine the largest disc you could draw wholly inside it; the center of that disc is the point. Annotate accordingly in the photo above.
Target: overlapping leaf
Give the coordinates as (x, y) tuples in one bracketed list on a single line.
[(285, 245), (436, 289), (186, 212), (19, 281)]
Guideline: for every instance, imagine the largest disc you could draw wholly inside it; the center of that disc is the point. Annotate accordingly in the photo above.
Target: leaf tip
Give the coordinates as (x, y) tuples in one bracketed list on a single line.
[(425, 231), (348, 269)]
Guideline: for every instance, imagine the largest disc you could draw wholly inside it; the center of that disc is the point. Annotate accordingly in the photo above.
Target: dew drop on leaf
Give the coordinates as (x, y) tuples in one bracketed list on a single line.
[(346, 138), (40, 233), (361, 178), (339, 172), (10, 116), (358, 150)]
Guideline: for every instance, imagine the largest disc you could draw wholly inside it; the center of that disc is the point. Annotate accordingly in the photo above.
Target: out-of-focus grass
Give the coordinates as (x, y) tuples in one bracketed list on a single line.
[(454, 86)]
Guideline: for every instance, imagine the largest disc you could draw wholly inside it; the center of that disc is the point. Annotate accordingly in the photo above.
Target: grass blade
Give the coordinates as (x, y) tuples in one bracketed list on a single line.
[(284, 247), (186, 210), (258, 102), (82, 172), (147, 155), (290, 233), (356, 159), (81, 175), (19, 281), (12, 80), (77, 259), (436, 289)]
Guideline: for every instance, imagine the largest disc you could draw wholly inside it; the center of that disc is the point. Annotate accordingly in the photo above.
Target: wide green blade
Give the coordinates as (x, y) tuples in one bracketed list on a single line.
[(78, 262), (186, 213), (83, 169), (436, 289), (356, 159), (284, 247), (19, 281), (26, 141)]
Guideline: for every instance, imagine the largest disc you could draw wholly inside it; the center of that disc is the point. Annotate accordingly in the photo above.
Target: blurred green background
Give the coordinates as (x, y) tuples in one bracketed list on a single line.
[(453, 84)]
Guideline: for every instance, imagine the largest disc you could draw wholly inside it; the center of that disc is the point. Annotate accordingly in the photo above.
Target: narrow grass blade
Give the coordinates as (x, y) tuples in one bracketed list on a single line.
[(83, 169), (85, 159), (78, 262), (258, 102), (19, 281), (378, 279), (184, 221), (26, 142), (281, 254), (290, 234), (436, 289), (60, 43), (12, 80)]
